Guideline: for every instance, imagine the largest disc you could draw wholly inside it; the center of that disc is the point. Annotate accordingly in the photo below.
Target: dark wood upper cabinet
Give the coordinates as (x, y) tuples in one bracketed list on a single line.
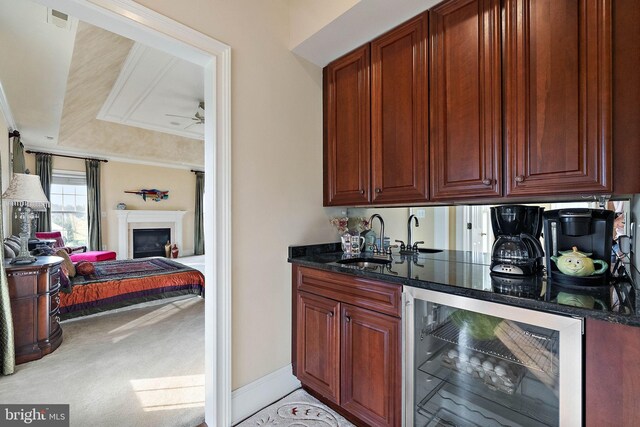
[(399, 114), (626, 96), (557, 84), (347, 142), (465, 99), (371, 357)]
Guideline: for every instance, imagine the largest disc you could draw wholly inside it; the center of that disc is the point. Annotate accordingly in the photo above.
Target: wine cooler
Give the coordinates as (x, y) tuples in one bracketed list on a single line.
[(476, 363)]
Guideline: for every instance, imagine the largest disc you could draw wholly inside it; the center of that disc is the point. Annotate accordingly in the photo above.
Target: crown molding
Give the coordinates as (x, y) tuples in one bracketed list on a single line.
[(113, 158), (5, 109)]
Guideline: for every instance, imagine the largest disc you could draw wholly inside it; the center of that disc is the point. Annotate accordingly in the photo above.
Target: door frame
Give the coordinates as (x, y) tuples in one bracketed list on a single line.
[(136, 22)]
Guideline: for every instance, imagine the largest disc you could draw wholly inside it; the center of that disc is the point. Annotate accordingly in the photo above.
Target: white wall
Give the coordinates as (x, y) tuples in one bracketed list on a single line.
[(277, 169)]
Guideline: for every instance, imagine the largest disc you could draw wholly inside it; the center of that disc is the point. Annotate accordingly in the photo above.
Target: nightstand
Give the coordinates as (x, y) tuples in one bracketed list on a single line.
[(33, 289)]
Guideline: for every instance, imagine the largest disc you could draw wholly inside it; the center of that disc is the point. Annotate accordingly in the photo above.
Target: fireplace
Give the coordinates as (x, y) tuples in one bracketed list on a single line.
[(131, 220), (150, 241)]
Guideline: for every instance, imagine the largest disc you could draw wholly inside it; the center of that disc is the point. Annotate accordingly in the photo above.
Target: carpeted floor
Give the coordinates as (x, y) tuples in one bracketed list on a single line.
[(142, 366), (298, 409)]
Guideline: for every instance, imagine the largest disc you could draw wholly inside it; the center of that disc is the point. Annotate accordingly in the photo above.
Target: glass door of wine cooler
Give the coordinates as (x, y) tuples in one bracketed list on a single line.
[(476, 363)]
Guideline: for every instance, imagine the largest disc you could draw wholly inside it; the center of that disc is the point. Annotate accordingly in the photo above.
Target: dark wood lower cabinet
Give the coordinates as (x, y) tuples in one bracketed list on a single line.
[(612, 374), (318, 344), (371, 356), (348, 346), (33, 290)]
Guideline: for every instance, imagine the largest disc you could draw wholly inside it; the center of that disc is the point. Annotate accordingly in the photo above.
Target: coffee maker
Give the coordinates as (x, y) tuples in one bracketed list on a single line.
[(589, 230), (517, 249)]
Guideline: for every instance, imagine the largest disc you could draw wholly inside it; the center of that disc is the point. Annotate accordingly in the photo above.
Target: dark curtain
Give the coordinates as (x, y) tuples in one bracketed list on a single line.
[(93, 204), (18, 167), (199, 215), (7, 350), (44, 171)]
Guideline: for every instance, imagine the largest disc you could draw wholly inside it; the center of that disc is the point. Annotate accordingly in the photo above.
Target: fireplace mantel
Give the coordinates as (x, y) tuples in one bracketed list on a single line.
[(129, 220)]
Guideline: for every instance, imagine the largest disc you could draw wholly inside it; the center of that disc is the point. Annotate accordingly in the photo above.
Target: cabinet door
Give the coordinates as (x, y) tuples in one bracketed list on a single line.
[(318, 345), (399, 114), (371, 370), (347, 137), (465, 99), (612, 374), (557, 56)]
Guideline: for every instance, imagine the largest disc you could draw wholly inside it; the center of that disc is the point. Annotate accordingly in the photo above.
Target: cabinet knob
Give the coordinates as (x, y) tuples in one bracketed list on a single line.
[(347, 318), (330, 314), (362, 192), (519, 178), (486, 181), (378, 190), (57, 299), (57, 319)]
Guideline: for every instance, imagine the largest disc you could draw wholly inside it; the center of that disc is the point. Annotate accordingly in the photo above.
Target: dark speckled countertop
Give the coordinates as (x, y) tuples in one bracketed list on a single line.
[(467, 274)]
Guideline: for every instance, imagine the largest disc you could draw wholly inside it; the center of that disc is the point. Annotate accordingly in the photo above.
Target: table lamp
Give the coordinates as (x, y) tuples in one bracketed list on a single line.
[(26, 192)]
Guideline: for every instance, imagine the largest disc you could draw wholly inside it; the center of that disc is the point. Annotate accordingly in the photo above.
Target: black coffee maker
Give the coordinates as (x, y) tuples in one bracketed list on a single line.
[(517, 249), (589, 230)]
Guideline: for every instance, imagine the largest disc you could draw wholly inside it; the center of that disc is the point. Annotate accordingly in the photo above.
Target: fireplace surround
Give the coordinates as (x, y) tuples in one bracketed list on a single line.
[(129, 220)]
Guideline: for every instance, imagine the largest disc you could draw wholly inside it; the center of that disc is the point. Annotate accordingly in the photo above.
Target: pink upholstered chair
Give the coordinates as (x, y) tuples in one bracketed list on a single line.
[(59, 244), (78, 253)]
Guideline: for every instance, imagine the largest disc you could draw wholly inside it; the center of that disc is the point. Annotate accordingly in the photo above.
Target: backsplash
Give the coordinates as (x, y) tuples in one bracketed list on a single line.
[(466, 227)]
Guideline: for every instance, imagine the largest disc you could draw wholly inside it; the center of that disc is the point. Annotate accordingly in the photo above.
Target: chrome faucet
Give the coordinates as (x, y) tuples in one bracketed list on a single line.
[(409, 234), (410, 248), (375, 247)]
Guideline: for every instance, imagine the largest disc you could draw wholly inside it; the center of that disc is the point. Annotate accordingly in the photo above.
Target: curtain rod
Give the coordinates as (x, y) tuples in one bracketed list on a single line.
[(65, 155), (14, 134), (195, 171)]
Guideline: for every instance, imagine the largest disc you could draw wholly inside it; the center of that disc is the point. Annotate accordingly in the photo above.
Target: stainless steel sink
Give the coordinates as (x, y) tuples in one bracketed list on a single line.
[(365, 262), (429, 251)]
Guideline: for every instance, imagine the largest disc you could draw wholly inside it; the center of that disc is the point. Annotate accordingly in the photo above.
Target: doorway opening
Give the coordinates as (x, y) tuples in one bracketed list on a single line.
[(142, 25)]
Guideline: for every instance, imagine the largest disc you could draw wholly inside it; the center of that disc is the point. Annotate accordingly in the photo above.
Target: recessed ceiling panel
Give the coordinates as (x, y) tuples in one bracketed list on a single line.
[(158, 92)]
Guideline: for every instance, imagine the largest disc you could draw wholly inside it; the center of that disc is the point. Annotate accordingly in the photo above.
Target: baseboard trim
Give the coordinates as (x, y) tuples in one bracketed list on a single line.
[(249, 399)]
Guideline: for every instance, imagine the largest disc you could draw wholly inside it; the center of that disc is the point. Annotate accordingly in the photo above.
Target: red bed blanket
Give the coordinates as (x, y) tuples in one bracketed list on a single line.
[(120, 283)]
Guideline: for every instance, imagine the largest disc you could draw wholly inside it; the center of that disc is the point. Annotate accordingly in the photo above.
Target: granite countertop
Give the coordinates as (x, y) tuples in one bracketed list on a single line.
[(467, 274)]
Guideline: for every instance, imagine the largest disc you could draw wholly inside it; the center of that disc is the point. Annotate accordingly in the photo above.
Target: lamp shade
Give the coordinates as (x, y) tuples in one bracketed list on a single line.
[(26, 190)]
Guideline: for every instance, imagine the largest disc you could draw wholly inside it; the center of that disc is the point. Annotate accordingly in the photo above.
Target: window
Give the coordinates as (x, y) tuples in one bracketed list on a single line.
[(69, 206)]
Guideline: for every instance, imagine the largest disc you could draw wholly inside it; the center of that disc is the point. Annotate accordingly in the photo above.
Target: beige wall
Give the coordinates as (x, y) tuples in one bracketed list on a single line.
[(309, 16), (277, 169), (116, 177)]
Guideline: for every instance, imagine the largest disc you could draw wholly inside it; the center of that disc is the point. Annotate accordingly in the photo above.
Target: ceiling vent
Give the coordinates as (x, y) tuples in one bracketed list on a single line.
[(59, 19)]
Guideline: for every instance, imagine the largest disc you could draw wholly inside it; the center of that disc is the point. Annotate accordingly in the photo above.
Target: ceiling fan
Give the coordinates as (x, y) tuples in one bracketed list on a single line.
[(198, 117)]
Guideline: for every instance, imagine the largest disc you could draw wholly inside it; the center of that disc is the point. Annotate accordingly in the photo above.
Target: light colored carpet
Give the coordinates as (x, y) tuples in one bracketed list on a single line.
[(297, 409), (143, 366)]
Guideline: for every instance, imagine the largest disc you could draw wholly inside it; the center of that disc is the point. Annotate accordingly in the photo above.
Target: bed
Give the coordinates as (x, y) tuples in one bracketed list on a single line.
[(121, 283)]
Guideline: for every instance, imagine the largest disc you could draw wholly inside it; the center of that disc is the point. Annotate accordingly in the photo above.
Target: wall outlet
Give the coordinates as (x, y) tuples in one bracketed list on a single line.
[(420, 212)]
